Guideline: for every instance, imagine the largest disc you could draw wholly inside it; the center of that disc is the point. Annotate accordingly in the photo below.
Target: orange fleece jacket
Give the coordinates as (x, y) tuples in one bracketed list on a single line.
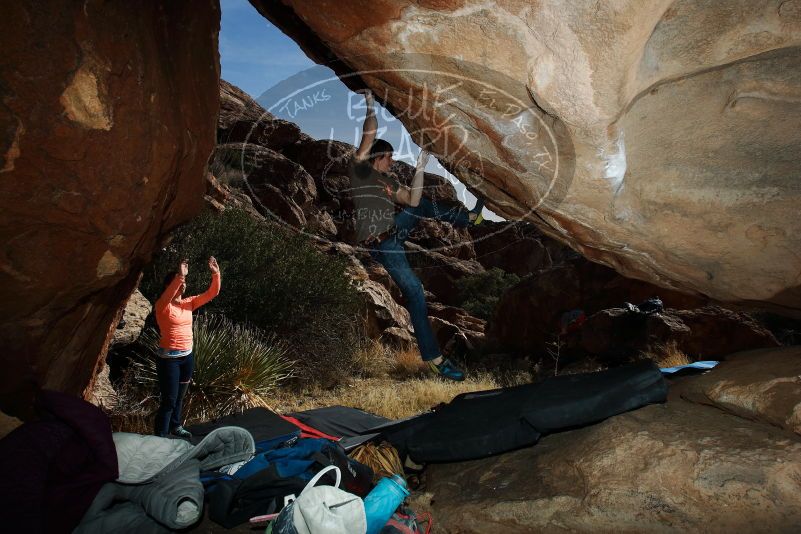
[(175, 318)]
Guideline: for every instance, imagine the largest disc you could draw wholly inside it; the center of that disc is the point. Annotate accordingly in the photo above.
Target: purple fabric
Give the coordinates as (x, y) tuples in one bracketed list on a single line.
[(52, 468)]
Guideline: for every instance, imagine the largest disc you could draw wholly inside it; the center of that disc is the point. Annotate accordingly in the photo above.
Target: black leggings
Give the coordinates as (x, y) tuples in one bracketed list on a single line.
[(174, 375)]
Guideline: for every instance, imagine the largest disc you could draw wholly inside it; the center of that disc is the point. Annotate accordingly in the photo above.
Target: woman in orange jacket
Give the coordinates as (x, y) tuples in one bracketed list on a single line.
[(175, 359)]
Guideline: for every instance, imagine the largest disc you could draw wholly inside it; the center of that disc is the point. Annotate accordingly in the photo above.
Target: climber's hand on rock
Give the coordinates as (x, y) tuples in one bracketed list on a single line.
[(368, 98), (422, 160), (183, 269)]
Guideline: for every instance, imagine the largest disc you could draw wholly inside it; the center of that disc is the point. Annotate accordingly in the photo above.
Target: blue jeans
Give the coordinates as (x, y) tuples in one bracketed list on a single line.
[(391, 254), (174, 375)]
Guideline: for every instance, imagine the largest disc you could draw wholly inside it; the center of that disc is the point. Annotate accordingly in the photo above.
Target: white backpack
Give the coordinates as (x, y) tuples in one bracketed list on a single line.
[(322, 510)]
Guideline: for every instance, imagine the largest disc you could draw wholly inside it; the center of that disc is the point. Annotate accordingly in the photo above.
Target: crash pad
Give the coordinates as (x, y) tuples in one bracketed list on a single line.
[(476, 425)]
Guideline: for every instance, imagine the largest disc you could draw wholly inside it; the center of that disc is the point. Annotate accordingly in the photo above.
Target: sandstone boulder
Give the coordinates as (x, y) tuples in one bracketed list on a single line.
[(708, 333), (717, 332), (662, 468), (383, 316), (321, 157), (275, 183), (443, 237), (220, 196), (439, 273), (321, 223), (103, 393), (133, 319), (450, 321), (528, 314), (379, 274), (617, 335), (659, 138), (762, 385), (679, 466), (334, 187), (108, 119), (243, 120), (515, 247)]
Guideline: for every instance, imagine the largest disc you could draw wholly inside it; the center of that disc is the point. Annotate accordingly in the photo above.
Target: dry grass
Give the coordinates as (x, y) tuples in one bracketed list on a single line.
[(407, 363), (667, 355), (387, 397), (391, 382), (372, 359)]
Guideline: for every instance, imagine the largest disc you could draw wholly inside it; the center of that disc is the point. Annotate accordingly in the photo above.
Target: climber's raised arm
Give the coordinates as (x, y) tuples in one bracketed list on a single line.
[(368, 129), (411, 195)]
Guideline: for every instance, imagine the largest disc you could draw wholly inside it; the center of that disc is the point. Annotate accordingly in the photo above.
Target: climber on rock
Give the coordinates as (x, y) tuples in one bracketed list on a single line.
[(385, 212)]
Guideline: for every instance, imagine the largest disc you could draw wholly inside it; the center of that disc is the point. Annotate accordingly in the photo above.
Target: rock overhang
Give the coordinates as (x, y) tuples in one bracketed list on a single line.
[(678, 121)]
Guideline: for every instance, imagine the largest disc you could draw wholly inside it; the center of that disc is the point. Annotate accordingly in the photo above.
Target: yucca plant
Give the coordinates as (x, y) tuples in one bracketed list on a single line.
[(236, 367)]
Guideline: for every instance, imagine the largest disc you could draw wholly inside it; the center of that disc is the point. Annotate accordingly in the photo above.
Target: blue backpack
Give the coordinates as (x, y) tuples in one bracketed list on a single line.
[(260, 486)]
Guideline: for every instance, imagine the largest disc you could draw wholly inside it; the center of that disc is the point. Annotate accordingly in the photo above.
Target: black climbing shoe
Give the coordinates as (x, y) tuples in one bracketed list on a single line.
[(181, 432)]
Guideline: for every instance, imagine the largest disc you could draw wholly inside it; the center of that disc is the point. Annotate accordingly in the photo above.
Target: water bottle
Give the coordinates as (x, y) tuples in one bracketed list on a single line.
[(382, 502)]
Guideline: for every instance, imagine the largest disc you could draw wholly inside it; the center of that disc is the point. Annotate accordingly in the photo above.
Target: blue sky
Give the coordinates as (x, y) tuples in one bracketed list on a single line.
[(259, 59), (255, 55)]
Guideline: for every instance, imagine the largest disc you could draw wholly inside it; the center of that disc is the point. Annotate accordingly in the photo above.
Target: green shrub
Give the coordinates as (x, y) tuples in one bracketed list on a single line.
[(479, 293), (273, 279), (236, 367)]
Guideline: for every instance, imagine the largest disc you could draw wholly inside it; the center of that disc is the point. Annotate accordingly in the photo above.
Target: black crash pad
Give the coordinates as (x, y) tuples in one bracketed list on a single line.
[(262, 423), (476, 425), (340, 421)]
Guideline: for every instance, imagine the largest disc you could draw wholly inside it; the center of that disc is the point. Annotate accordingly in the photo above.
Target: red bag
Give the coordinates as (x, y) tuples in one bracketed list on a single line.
[(405, 521)]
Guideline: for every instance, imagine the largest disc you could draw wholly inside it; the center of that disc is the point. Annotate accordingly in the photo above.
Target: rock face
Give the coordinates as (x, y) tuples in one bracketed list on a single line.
[(760, 385), (439, 273), (708, 333), (106, 125), (383, 316), (303, 183), (277, 183), (528, 314), (133, 319), (516, 248), (242, 120), (129, 328), (659, 138), (663, 468)]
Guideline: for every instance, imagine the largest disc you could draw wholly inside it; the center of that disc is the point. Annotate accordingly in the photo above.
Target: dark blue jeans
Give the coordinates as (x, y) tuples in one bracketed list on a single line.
[(391, 254), (173, 373)]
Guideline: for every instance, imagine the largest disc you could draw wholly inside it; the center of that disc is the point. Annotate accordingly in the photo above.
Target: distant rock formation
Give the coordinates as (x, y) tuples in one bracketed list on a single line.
[(295, 180)]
